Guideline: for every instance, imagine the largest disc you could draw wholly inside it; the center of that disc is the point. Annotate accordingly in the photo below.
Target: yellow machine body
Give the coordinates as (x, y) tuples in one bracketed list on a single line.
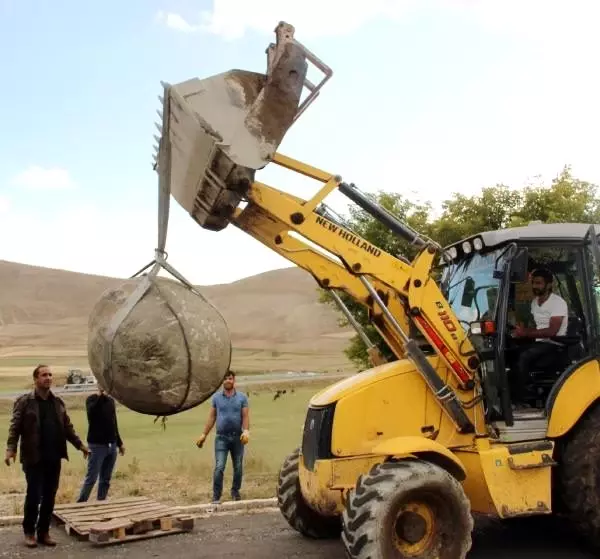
[(388, 413), (424, 410)]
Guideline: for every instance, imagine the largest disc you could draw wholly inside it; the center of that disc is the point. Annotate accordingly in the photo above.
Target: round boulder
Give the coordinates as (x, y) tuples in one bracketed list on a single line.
[(169, 354)]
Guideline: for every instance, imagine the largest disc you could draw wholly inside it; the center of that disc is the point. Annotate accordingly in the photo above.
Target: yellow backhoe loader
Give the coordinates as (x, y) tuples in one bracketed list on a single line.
[(398, 458)]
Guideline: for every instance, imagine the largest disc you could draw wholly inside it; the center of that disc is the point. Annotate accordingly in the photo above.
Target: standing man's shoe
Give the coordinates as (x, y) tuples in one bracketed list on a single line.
[(46, 540), (236, 496), (30, 541)]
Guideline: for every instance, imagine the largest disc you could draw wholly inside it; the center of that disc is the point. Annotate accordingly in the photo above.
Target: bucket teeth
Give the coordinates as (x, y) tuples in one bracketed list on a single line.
[(159, 127)]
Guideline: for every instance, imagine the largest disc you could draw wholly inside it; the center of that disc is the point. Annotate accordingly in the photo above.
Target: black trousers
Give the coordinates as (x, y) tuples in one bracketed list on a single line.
[(42, 484), (537, 355)]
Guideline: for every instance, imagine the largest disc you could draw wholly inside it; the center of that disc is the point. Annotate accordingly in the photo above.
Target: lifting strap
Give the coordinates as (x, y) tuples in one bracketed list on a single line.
[(160, 255)]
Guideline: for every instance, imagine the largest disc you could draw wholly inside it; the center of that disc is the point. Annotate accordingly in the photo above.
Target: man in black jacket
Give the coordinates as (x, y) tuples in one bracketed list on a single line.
[(103, 440), (41, 422)]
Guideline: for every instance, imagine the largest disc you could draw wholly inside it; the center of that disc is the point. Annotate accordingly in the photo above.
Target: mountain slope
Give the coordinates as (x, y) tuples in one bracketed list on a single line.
[(277, 310)]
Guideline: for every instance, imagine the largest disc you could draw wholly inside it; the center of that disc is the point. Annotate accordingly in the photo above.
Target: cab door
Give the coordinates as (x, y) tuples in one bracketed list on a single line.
[(514, 270), (592, 288)]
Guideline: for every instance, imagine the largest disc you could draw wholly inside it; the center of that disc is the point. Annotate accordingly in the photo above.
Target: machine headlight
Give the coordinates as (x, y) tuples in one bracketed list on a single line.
[(467, 248), (475, 328), (477, 244), (453, 252)]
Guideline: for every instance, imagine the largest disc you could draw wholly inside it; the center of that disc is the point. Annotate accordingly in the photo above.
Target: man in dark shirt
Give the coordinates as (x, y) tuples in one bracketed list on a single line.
[(41, 422), (103, 439)]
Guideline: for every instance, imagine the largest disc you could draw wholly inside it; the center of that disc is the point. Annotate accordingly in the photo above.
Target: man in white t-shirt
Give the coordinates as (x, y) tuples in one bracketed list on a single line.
[(551, 315)]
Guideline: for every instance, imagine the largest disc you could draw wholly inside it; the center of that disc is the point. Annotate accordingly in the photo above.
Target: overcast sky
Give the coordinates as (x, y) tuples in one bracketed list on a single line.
[(428, 97)]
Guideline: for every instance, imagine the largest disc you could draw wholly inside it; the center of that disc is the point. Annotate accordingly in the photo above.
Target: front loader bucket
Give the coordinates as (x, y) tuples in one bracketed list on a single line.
[(216, 132)]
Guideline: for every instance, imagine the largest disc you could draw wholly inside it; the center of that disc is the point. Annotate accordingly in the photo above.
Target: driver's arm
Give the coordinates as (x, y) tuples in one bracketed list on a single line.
[(550, 332), (560, 313)]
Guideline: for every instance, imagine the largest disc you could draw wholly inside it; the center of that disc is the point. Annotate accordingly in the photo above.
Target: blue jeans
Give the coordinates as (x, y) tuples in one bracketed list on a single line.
[(100, 466), (225, 444)]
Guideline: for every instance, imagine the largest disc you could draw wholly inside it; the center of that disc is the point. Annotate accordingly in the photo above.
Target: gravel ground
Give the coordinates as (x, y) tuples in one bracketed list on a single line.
[(265, 534)]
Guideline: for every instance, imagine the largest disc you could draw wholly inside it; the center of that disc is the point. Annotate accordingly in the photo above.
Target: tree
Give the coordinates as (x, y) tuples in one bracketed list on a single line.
[(566, 199), (467, 215)]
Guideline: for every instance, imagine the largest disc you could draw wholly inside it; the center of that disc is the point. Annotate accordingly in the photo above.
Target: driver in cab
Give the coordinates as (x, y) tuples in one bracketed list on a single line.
[(550, 314)]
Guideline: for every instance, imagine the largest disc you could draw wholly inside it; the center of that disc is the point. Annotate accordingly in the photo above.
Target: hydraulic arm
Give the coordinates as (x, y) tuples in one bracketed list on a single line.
[(395, 292), (208, 164), (329, 274)]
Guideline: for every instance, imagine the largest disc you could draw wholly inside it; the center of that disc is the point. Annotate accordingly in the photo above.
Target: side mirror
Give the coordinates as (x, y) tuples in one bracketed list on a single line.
[(468, 293), (519, 267)]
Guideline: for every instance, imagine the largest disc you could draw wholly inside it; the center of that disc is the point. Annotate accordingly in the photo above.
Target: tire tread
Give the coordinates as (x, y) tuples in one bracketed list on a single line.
[(360, 518), (296, 510), (579, 477)]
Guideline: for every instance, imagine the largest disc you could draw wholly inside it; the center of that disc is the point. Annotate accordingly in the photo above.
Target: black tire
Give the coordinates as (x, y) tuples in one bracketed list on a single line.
[(397, 503), (579, 478), (299, 515)]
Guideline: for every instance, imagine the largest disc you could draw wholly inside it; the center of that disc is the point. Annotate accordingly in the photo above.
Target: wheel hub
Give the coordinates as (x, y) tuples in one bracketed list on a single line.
[(414, 529), (411, 527)]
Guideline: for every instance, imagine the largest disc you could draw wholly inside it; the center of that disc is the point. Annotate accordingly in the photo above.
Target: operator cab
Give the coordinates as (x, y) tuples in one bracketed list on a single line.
[(488, 284), (570, 348)]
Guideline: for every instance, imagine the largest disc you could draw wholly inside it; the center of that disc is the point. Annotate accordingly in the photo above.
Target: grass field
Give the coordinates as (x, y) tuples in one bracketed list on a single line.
[(166, 464)]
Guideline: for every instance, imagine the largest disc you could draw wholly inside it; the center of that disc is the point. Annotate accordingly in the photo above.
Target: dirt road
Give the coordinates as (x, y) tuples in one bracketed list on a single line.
[(262, 535)]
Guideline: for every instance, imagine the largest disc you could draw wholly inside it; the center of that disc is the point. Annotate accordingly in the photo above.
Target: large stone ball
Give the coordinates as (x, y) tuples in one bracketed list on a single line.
[(169, 354)]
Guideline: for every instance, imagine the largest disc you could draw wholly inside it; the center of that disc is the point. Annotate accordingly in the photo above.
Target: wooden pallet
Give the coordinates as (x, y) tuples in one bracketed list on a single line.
[(121, 520)]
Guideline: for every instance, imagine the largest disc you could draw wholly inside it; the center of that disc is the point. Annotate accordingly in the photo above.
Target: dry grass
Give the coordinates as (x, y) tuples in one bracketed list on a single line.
[(44, 312), (166, 465)]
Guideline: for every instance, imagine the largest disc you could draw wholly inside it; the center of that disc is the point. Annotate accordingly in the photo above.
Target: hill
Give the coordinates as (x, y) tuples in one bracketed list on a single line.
[(44, 311)]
